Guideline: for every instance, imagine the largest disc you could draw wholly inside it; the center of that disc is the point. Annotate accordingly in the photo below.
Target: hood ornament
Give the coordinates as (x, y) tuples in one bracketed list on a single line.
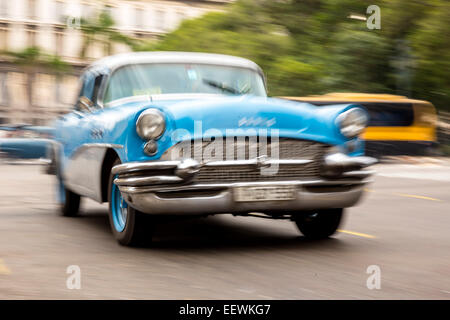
[(262, 161), (258, 121)]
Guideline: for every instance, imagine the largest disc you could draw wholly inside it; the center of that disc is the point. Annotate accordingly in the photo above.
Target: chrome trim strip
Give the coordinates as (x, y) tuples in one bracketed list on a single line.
[(359, 173), (142, 181), (340, 160), (130, 167), (218, 186), (95, 145), (104, 145), (255, 161), (173, 164)]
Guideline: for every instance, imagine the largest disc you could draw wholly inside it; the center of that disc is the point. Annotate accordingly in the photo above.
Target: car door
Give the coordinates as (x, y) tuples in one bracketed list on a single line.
[(79, 135)]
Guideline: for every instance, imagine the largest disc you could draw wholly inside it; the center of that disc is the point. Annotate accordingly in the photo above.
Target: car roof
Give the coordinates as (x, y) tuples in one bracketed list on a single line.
[(115, 61)]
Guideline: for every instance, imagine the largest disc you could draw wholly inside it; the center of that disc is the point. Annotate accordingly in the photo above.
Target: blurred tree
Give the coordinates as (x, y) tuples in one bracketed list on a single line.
[(100, 30), (244, 32), (290, 77), (431, 51), (312, 46), (359, 62)]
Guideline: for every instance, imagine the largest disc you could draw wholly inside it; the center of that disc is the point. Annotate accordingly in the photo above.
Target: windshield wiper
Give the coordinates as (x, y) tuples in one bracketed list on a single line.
[(222, 86)]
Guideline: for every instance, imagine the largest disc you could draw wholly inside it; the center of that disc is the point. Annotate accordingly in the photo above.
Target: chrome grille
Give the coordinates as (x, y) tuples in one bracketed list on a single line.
[(241, 149), (288, 149), (252, 174)]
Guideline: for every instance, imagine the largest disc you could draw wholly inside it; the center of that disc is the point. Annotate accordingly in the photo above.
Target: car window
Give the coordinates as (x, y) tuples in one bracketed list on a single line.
[(87, 86), (390, 114), (148, 79), (383, 114), (90, 87), (97, 83)]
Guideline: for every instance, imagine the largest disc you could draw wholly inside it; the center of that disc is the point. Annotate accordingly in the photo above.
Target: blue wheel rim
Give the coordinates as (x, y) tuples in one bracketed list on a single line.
[(119, 208)]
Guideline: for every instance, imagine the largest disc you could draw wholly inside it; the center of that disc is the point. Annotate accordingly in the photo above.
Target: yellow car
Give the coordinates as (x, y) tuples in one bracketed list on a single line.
[(397, 125)]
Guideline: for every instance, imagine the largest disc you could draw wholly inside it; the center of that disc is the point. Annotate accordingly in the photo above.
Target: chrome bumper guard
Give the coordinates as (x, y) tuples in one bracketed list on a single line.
[(167, 187)]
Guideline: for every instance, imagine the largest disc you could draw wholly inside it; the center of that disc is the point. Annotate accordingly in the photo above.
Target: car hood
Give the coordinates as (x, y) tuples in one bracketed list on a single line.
[(210, 117), (196, 118)]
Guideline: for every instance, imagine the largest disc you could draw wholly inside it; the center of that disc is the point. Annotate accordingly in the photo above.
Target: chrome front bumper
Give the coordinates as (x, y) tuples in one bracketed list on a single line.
[(169, 187)]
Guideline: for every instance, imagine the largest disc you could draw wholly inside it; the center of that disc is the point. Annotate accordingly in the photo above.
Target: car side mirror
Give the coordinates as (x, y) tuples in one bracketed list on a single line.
[(85, 104)]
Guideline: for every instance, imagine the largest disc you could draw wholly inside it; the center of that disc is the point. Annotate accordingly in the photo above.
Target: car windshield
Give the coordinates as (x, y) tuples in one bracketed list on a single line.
[(149, 79)]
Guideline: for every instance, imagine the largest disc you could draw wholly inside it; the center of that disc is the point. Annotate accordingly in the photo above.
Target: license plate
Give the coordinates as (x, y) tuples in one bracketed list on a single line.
[(264, 193)]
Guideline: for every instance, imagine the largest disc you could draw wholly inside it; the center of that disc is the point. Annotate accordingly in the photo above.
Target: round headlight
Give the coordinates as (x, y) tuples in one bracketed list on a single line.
[(150, 124), (352, 122)]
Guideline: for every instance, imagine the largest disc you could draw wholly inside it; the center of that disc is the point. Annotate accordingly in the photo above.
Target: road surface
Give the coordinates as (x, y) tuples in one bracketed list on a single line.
[(401, 227)]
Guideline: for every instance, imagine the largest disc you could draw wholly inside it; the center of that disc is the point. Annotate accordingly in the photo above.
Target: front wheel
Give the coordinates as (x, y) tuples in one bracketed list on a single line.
[(129, 226), (319, 224)]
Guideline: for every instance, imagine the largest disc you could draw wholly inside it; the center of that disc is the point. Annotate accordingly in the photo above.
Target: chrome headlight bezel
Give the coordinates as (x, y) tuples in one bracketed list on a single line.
[(150, 124), (352, 122)]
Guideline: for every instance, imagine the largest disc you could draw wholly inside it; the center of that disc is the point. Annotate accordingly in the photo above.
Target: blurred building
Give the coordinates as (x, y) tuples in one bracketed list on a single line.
[(36, 94)]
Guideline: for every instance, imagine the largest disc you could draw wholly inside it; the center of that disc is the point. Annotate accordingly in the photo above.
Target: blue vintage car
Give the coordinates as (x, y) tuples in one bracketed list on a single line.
[(176, 133)]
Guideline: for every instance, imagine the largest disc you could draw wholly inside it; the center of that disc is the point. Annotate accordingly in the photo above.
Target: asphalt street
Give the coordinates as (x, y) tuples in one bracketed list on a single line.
[(402, 226)]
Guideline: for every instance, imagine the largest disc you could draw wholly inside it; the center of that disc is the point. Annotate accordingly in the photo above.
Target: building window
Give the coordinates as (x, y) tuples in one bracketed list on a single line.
[(4, 8), (59, 12), (180, 17), (4, 89), (31, 33), (4, 27), (31, 5), (87, 11), (160, 19), (59, 34), (139, 12)]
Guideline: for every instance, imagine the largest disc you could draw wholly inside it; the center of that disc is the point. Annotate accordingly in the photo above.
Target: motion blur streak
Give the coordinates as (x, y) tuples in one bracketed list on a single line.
[(313, 50), (3, 268), (416, 196), (364, 235)]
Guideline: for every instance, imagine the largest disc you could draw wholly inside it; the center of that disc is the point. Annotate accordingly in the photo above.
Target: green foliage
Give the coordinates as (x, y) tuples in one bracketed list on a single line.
[(290, 77), (356, 64), (100, 29), (431, 43), (312, 47), (33, 57), (30, 55)]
